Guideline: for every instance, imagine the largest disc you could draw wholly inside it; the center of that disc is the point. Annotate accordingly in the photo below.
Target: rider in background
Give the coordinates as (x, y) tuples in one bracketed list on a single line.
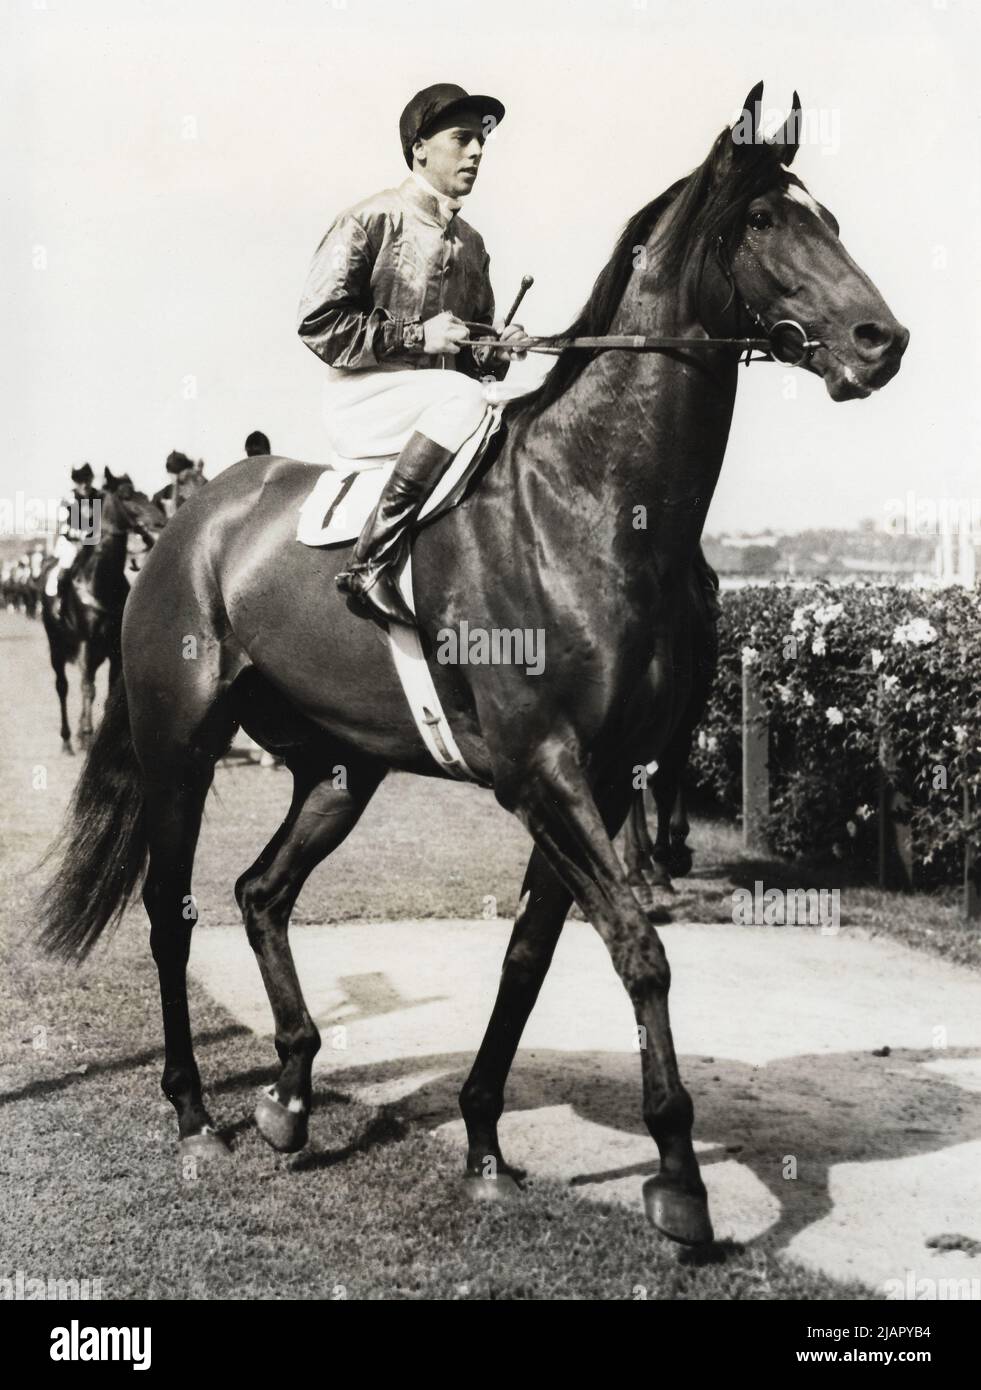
[(78, 525), (393, 287), (188, 477), (257, 445)]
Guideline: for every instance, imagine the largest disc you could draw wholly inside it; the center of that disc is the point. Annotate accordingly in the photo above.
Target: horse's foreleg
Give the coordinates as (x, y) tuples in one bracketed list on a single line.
[(550, 792), (681, 857), (637, 845), (320, 816), (542, 909), (671, 853)]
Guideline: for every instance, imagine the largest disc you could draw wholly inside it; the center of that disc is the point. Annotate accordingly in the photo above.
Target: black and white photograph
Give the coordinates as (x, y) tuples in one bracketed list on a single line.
[(490, 701)]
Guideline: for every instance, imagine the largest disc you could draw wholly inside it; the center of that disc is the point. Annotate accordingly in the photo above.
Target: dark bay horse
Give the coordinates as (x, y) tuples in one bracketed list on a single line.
[(89, 622), (583, 527)]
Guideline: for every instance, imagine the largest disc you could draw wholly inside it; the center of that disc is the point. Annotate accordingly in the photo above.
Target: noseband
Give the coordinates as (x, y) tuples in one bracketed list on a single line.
[(786, 340)]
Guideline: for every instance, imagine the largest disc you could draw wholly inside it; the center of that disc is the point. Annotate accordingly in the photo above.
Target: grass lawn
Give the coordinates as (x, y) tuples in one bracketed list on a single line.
[(92, 1186)]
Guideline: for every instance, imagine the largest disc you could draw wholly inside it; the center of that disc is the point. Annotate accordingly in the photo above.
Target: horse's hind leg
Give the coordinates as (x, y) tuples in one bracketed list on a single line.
[(89, 660), (175, 793), (61, 686), (329, 795)]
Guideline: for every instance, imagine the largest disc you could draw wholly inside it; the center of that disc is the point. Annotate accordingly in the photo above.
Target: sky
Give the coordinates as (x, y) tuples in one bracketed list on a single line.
[(169, 168)]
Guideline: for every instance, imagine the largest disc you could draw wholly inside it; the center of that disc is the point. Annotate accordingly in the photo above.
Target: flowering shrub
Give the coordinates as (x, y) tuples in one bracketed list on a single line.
[(844, 673)]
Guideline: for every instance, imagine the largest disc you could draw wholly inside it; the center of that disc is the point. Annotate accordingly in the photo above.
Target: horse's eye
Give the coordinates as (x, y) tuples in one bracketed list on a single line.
[(759, 220)]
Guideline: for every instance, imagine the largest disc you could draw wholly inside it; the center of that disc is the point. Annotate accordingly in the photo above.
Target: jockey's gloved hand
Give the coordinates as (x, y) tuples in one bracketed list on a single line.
[(444, 333), (513, 330)]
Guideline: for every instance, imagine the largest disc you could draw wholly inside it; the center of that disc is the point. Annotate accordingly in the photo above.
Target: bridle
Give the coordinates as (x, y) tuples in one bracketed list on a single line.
[(784, 341), (778, 342), (132, 524)]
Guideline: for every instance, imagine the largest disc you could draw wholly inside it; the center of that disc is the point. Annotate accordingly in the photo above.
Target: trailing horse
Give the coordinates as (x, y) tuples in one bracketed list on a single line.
[(87, 624), (583, 527)]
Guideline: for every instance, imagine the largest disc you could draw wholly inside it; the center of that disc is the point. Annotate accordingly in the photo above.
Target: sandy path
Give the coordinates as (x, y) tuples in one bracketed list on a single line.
[(775, 1028)]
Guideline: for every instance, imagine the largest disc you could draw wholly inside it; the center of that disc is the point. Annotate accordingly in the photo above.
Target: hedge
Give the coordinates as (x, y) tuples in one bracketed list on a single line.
[(839, 667)]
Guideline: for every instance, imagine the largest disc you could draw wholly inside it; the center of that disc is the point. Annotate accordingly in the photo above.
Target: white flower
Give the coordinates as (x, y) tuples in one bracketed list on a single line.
[(808, 699), (823, 616), (864, 812), (916, 633), (889, 683), (852, 828), (750, 655), (960, 733), (876, 658), (702, 738), (713, 743), (797, 622), (834, 715), (819, 646), (785, 693)]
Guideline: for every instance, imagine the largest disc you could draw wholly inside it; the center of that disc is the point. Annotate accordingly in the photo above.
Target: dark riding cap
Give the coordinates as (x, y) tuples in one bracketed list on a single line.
[(257, 444), (438, 100), (177, 462), (83, 474)]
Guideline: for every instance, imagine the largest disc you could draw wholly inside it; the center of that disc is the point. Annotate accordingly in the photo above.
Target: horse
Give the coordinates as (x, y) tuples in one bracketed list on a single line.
[(653, 863), (583, 525), (86, 626)]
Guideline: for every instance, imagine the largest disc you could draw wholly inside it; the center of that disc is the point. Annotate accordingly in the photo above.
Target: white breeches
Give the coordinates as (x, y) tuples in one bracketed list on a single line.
[(64, 553), (371, 414)]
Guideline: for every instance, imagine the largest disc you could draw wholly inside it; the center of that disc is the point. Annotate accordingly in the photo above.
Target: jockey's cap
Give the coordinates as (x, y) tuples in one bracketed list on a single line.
[(436, 101)]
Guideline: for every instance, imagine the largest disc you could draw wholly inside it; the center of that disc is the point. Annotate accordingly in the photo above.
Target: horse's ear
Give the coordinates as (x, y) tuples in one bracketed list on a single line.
[(745, 133), (789, 133)]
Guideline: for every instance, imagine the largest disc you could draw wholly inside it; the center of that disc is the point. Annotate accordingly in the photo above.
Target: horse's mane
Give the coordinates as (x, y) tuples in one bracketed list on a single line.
[(710, 203)]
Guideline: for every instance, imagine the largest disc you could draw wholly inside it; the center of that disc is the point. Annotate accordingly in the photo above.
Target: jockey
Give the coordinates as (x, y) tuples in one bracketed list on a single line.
[(394, 286), (78, 524), (257, 445), (188, 477)]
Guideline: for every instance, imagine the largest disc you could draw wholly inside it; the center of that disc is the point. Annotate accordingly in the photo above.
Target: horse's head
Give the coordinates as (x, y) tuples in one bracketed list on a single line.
[(744, 220), (124, 510)]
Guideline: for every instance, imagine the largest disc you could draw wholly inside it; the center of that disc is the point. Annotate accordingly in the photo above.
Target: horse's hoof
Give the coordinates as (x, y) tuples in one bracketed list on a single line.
[(284, 1129), (205, 1145), (681, 1216), (501, 1188)]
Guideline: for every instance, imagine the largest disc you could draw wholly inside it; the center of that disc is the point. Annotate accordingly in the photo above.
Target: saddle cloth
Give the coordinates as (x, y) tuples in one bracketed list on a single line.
[(340, 503), (347, 491)]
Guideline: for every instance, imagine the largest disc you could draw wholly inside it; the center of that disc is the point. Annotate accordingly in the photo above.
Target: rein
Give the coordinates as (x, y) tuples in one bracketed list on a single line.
[(777, 344)]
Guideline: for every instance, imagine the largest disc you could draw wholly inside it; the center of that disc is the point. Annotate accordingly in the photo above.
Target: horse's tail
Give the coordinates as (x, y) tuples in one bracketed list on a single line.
[(102, 846)]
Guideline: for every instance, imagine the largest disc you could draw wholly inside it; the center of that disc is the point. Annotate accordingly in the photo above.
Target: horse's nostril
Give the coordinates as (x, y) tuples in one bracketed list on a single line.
[(872, 339)]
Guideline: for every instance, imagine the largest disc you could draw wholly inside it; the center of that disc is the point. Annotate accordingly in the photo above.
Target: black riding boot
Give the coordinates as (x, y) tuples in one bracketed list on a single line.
[(382, 544)]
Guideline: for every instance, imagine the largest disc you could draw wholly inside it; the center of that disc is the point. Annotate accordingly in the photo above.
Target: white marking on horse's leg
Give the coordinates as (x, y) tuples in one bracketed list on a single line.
[(295, 1106)]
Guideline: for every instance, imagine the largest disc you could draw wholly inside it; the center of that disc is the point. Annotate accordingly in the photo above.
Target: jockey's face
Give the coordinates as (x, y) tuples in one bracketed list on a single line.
[(450, 154)]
